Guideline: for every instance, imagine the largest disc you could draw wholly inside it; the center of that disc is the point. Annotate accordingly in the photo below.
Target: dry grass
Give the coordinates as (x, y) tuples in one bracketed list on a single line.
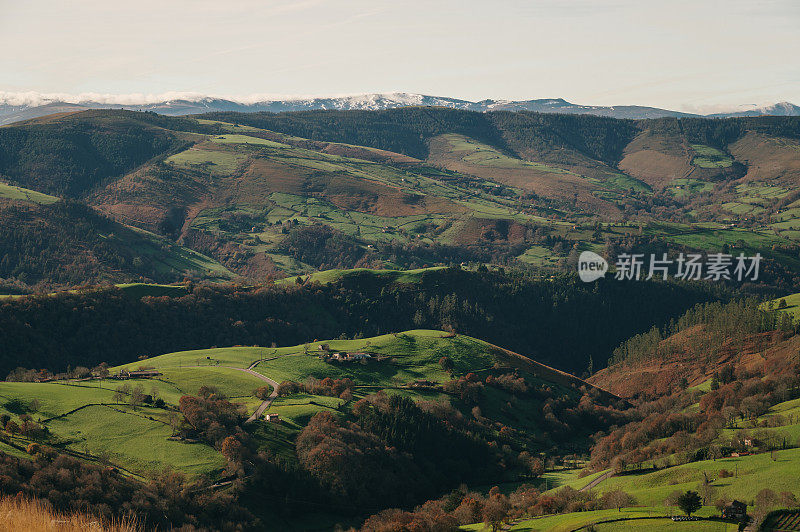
[(684, 355), (768, 157), (23, 515), (546, 181), (656, 159)]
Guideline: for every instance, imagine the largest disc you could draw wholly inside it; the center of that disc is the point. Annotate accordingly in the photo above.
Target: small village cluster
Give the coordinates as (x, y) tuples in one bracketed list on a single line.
[(341, 356)]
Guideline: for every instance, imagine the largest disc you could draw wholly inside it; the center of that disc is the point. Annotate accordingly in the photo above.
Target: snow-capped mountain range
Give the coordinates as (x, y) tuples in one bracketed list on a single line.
[(24, 106)]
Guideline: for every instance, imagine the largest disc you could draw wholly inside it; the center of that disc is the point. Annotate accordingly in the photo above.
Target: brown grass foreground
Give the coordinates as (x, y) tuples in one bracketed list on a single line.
[(24, 515)]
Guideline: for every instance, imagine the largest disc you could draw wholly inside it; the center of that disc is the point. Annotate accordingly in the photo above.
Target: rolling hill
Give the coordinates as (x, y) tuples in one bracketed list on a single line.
[(139, 426), (280, 194)]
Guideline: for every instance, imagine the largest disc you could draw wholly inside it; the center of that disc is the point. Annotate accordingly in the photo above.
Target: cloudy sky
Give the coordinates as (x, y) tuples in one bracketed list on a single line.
[(689, 55)]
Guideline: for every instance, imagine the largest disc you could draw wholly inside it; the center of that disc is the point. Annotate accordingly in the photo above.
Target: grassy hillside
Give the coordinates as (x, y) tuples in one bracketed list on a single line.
[(751, 474), (91, 418), (12, 192), (792, 305), (331, 276), (655, 518), (275, 195)]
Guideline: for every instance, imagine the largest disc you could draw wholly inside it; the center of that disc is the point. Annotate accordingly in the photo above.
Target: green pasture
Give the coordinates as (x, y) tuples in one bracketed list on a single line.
[(169, 257), (246, 139), (685, 188), (53, 398), (134, 441), (18, 193), (792, 305), (140, 290), (474, 152), (220, 162), (753, 473), (540, 256), (412, 355), (639, 517), (708, 157), (331, 276)]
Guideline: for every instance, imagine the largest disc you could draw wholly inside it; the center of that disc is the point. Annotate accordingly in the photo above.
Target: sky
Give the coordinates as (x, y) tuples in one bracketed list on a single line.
[(697, 56)]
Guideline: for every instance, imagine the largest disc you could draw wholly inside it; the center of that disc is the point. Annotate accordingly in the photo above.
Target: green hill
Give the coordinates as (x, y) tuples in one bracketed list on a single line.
[(90, 418)]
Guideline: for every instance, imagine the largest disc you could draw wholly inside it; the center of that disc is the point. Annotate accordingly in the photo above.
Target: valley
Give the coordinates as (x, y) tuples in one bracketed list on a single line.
[(371, 319)]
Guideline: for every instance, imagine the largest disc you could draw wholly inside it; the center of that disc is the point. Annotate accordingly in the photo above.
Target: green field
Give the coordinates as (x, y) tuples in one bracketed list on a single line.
[(792, 305), (753, 473), (169, 257), (708, 157), (474, 152), (686, 188), (540, 256), (18, 193), (246, 139), (235, 384), (132, 290), (639, 517), (219, 162), (134, 441), (626, 182), (568, 477), (140, 290), (85, 418), (54, 398), (331, 276), (409, 356)]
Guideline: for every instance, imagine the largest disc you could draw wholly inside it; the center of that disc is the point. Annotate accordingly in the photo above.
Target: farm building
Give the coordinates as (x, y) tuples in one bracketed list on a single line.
[(735, 510), (138, 374), (272, 418), (349, 357)]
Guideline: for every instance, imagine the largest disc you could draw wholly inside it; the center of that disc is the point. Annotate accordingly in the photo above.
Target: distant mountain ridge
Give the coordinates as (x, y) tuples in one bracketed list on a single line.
[(14, 109)]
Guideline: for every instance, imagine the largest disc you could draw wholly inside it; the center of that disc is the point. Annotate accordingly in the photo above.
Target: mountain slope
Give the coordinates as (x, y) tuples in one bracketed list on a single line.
[(67, 244), (70, 154), (277, 194)]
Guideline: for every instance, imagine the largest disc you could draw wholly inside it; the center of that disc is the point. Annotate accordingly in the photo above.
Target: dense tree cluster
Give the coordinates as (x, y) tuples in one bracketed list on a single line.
[(211, 416), (68, 244), (445, 456), (169, 501), (73, 155), (494, 509), (721, 322), (561, 322), (328, 386), (356, 465), (663, 423)]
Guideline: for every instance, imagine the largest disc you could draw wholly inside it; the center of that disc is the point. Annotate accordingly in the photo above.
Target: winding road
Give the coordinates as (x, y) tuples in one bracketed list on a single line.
[(598, 480), (264, 405)]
